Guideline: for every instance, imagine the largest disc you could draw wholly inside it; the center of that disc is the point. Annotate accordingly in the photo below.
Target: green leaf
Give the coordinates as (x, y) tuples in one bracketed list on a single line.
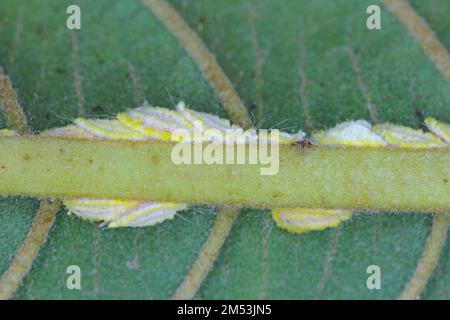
[(264, 47)]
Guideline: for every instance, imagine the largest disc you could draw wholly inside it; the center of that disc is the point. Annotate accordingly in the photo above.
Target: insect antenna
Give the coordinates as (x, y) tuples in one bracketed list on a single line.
[(279, 123)]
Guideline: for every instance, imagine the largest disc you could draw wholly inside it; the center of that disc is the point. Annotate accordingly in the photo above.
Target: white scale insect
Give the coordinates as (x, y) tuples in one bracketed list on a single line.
[(158, 123)]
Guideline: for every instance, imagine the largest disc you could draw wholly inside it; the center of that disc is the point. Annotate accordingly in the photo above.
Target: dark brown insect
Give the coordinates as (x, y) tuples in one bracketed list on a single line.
[(304, 143)]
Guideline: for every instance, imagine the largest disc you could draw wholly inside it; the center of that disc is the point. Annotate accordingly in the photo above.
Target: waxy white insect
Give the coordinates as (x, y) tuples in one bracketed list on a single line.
[(407, 137), (440, 129)]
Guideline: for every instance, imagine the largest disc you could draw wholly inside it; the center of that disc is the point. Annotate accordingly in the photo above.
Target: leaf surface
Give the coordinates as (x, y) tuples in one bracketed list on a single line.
[(296, 65)]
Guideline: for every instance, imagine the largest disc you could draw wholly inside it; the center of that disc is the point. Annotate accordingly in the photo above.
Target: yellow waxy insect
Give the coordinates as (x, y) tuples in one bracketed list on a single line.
[(116, 213), (111, 129), (157, 123), (301, 220), (407, 137), (440, 129)]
